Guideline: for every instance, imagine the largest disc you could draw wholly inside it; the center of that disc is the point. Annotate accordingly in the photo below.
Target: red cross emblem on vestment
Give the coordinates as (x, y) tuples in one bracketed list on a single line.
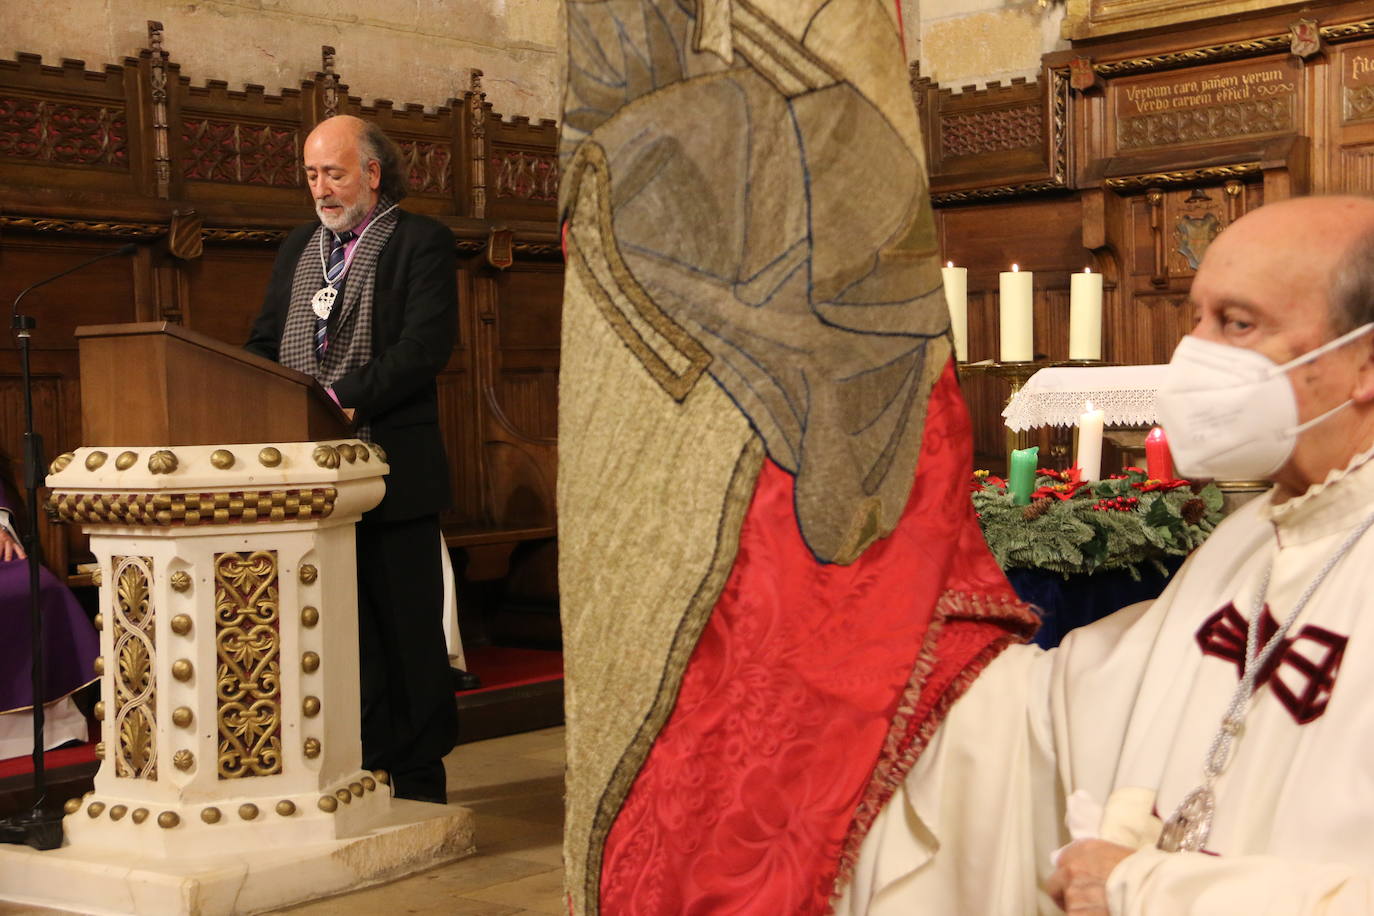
[(1303, 668)]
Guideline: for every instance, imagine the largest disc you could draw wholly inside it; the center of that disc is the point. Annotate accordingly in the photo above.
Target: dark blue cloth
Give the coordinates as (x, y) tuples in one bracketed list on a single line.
[(1079, 600)]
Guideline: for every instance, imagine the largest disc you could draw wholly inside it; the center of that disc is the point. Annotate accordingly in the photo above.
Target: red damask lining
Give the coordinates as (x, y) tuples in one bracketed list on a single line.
[(795, 717), (1223, 635)]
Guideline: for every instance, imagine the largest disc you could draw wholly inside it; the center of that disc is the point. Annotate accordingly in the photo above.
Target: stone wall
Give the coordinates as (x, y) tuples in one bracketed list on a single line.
[(405, 50), (969, 42)]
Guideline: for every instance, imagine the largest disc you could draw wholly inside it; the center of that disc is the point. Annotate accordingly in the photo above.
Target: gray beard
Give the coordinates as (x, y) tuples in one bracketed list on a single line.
[(350, 217)]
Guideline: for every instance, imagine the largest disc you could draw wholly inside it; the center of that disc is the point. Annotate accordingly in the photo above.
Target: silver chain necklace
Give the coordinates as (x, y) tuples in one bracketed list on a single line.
[(322, 303), (1190, 825)]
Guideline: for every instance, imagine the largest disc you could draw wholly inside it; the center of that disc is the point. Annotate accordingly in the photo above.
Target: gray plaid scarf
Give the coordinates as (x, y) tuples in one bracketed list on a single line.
[(350, 341)]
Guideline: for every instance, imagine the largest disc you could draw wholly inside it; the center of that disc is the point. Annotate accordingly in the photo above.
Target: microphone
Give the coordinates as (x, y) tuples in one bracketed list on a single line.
[(20, 323)]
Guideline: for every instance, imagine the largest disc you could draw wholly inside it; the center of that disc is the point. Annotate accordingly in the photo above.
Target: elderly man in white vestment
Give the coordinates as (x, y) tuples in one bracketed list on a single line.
[(1125, 721)]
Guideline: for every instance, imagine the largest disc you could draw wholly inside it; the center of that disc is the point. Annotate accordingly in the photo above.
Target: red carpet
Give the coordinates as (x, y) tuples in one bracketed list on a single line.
[(70, 756), (501, 668)]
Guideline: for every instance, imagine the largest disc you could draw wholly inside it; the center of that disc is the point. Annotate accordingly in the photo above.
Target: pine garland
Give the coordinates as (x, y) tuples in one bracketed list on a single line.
[(1073, 528)]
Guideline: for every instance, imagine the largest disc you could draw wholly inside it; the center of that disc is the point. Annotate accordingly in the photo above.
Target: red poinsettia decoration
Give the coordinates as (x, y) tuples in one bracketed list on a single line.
[(1148, 486), (1061, 491), (984, 479)]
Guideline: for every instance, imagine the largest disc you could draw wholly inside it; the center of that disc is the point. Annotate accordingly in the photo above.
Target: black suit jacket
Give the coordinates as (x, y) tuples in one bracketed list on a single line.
[(414, 325)]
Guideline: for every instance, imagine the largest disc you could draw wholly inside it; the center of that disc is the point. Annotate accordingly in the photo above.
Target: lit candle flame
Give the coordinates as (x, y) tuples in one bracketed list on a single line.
[(1087, 270), (949, 263), (1016, 268), (1088, 407)]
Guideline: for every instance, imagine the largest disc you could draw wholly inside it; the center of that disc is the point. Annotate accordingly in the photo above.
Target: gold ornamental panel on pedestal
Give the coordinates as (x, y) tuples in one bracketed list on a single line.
[(248, 683), (135, 721)]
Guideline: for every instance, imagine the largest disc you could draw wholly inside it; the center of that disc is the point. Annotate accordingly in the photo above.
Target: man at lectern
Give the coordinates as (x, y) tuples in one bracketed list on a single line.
[(365, 300)]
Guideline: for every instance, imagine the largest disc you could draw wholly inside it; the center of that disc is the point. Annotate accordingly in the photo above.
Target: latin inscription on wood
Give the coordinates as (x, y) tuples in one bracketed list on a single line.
[(1357, 82), (1189, 107)]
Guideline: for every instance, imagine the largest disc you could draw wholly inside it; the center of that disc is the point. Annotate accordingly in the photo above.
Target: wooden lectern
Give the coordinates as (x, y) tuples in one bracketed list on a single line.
[(220, 492), (157, 383)]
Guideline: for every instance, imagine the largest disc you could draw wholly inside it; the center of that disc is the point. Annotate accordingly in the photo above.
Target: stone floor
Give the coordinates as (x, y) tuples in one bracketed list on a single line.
[(515, 787)]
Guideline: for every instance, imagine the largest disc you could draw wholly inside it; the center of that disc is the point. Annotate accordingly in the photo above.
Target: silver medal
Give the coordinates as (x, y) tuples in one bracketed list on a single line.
[(322, 303)]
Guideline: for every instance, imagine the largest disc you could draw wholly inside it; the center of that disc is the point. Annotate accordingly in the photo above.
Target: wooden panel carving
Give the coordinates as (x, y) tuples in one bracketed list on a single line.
[(428, 165), (519, 171), (63, 132), (997, 142), (1357, 83), (1248, 99), (997, 130), (524, 175), (1356, 169), (240, 152)]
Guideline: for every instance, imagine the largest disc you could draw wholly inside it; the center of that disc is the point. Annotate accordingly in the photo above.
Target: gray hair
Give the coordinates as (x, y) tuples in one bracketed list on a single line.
[(1352, 287), (376, 146)]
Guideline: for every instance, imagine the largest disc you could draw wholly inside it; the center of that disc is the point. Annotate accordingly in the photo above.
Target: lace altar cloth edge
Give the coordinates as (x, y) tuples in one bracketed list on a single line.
[(1057, 396)]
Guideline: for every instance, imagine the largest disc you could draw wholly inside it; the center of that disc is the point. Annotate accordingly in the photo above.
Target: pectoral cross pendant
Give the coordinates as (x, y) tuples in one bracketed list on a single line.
[(1187, 830)]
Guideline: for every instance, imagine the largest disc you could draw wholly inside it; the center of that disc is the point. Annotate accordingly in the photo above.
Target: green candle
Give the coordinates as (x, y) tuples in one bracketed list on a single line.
[(1021, 479)]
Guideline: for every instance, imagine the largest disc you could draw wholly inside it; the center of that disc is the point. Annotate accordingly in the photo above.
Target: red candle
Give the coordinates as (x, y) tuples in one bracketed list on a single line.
[(1159, 464)]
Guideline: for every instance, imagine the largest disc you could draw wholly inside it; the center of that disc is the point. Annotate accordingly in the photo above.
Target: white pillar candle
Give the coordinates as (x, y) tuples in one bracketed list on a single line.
[(1089, 462), (1085, 315), (1014, 306), (956, 294)]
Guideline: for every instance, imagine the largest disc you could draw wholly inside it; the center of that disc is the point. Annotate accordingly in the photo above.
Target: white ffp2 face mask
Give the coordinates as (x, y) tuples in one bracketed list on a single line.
[(1230, 413)]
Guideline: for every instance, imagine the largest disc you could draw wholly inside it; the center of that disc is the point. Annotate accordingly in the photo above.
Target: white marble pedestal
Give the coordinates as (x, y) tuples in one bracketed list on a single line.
[(230, 778)]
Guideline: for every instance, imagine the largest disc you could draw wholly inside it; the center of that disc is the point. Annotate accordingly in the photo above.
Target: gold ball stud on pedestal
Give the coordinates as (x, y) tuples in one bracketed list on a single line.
[(95, 809), (182, 669), (168, 819), (328, 804), (139, 816), (72, 805), (181, 624), (118, 812), (286, 807), (248, 811), (162, 462), (210, 815)]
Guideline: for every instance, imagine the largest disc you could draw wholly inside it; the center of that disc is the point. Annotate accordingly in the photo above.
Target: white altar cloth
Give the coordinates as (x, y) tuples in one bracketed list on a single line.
[(1057, 396)]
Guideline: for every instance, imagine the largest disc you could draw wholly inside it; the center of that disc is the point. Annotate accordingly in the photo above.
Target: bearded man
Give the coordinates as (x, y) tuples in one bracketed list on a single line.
[(1209, 750), (365, 301)]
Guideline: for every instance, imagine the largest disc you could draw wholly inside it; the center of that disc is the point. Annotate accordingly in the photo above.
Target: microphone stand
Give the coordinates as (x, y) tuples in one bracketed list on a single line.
[(39, 828)]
